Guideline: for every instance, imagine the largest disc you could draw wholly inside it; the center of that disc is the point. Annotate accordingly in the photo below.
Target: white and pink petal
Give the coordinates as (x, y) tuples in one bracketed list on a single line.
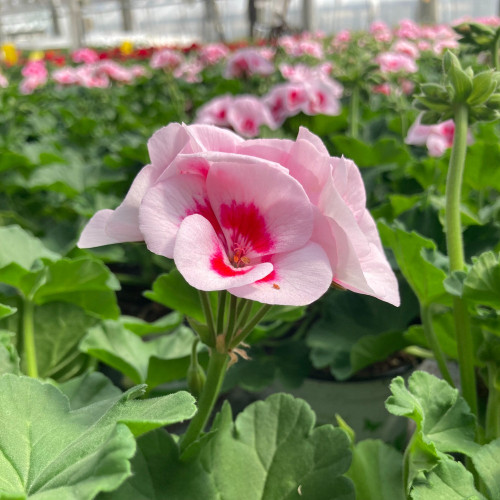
[(201, 258), (260, 208), (166, 205), (298, 278)]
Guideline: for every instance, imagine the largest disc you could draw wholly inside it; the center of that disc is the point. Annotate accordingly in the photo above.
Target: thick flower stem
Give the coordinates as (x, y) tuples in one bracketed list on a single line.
[(354, 113), (493, 407), (215, 375), (29, 339), (454, 244), (430, 335)]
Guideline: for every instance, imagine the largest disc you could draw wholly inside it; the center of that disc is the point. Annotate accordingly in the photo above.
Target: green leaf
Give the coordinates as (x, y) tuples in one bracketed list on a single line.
[(441, 414), (87, 389), (173, 291), (48, 451), (271, 451), (61, 178), (460, 80), (59, 327), (482, 283), (481, 170), (140, 327), (154, 362), (449, 480), (21, 248), (20, 254), (350, 323), (425, 278), (85, 282), (9, 358), (483, 85), (6, 311), (487, 464), (377, 471)]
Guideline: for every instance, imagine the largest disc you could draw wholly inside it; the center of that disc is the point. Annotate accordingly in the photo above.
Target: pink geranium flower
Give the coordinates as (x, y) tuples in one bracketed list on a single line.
[(165, 59), (212, 53), (268, 220), (85, 55), (246, 115), (438, 138), (65, 76), (215, 111), (247, 62), (4, 83), (392, 62)]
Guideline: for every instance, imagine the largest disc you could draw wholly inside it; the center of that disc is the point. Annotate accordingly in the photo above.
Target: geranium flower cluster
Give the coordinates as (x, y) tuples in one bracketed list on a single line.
[(309, 90), (97, 74)]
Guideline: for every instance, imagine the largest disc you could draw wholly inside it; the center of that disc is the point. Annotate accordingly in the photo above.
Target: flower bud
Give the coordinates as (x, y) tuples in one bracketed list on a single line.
[(195, 375), (460, 80), (483, 85)]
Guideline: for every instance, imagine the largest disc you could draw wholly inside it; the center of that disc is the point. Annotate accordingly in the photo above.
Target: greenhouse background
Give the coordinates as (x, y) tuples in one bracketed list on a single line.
[(33, 24)]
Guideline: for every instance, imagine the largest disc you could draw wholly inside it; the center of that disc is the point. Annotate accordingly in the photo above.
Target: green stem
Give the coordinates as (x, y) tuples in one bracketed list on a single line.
[(430, 335), (207, 311), (454, 244), (244, 309), (215, 375), (233, 304), (495, 52), (221, 309), (354, 113), (29, 339), (247, 329), (493, 406)]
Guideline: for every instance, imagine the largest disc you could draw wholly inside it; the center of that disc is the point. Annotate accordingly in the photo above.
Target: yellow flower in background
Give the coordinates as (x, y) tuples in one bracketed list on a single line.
[(127, 47), (9, 53), (36, 55)]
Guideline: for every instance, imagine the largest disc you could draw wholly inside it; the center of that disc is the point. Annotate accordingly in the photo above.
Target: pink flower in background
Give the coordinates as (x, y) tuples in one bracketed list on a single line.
[(190, 71), (343, 36), (285, 100), (35, 75), (391, 62), (382, 88), (437, 138), (269, 220), (299, 47), (85, 55), (408, 29), (36, 69), (115, 71), (441, 45), (247, 113), (380, 31), (137, 71), (215, 111), (165, 59), (65, 76), (247, 62), (212, 53), (407, 48), (4, 83)]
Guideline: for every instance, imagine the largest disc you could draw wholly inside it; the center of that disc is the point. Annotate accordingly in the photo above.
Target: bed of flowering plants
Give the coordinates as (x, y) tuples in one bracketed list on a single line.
[(179, 222)]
